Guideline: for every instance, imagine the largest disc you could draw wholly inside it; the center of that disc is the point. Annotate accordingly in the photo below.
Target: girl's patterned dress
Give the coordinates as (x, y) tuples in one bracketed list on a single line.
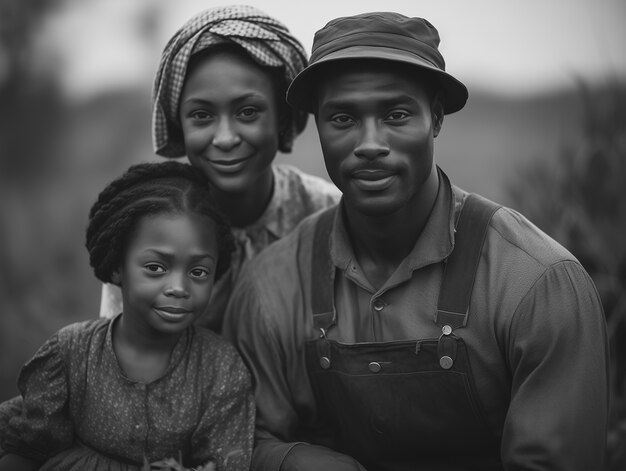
[(80, 411)]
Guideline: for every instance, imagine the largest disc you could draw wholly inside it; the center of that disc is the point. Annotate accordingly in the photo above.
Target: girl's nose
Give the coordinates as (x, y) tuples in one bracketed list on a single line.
[(177, 287)]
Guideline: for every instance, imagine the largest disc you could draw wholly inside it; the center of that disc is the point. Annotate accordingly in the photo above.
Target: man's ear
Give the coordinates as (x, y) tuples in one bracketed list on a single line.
[(437, 114)]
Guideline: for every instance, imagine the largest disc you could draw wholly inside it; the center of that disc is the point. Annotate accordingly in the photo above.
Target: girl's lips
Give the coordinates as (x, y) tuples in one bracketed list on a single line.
[(171, 314)]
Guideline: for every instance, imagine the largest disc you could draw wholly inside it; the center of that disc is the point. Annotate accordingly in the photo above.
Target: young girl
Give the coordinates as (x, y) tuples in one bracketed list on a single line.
[(219, 99), (146, 385)]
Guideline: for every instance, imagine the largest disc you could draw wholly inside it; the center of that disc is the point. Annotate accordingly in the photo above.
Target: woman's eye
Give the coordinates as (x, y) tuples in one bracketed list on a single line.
[(155, 268), (200, 115), (248, 113)]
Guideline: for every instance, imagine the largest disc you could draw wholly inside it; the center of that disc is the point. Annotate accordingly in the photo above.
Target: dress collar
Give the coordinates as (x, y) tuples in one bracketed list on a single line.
[(178, 353)]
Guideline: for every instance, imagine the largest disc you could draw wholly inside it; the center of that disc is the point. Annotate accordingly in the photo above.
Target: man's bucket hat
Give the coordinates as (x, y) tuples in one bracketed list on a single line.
[(380, 35)]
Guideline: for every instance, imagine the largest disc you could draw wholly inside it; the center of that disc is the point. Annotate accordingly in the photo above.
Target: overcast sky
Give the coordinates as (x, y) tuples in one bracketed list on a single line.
[(507, 46)]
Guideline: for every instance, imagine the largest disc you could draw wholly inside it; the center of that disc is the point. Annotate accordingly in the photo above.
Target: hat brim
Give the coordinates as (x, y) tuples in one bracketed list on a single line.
[(301, 91)]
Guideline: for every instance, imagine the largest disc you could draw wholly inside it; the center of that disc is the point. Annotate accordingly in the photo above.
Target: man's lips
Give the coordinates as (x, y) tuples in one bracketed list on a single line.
[(373, 179)]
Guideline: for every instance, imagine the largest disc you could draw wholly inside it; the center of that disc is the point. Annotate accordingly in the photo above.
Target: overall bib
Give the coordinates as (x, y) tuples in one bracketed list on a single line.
[(404, 405)]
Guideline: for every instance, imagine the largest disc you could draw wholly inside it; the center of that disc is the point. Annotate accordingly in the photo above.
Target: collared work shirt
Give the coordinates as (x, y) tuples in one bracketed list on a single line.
[(296, 195), (536, 335)]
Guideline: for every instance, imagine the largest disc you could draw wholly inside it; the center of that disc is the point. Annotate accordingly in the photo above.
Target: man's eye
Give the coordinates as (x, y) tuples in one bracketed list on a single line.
[(397, 115)]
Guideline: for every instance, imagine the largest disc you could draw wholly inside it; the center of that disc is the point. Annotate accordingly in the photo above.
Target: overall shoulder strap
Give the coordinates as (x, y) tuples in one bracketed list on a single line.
[(323, 273), (460, 267)]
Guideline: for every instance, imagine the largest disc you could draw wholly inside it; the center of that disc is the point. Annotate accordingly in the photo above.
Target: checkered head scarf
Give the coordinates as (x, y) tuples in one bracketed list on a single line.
[(267, 41)]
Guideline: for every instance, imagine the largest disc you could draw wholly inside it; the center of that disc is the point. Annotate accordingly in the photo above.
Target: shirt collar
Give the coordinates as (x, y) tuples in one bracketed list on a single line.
[(434, 244)]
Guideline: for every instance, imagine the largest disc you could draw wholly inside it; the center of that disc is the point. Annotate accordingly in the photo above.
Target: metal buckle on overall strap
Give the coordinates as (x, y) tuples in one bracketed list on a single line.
[(323, 350), (459, 274), (446, 347)]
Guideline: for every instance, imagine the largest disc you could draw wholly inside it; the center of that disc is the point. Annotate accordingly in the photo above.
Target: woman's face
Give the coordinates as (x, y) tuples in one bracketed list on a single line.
[(230, 121)]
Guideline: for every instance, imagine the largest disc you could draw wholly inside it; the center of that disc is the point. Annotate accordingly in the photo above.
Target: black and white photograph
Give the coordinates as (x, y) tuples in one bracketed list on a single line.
[(347, 235)]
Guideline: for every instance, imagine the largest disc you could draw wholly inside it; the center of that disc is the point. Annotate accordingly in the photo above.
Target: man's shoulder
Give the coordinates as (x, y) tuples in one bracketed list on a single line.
[(516, 235)]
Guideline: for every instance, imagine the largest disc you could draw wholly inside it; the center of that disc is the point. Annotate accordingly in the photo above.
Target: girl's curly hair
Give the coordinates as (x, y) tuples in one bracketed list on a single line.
[(143, 190)]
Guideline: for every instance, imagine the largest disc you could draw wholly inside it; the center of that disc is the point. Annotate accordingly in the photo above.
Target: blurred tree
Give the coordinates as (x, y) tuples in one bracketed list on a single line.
[(578, 198), (55, 155), (30, 118), (28, 92)]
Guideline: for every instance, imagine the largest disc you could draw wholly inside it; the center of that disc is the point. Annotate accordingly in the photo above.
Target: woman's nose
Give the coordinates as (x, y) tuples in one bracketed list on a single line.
[(226, 136)]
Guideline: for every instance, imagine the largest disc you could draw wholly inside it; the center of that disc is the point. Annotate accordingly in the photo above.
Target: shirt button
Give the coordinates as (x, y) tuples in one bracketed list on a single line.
[(325, 363), (379, 304), (374, 367)]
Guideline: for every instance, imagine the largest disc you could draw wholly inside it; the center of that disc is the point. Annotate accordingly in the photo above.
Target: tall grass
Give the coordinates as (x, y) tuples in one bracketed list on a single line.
[(578, 197)]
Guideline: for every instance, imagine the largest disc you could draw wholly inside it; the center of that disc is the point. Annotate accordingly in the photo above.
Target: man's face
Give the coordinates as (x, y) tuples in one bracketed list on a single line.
[(376, 129)]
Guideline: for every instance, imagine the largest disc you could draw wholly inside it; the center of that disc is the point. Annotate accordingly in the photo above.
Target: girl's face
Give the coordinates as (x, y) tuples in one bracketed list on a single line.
[(168, 272), (229, 117)]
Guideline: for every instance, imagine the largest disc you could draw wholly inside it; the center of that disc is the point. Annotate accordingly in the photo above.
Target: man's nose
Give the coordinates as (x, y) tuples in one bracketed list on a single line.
[(373, 143)]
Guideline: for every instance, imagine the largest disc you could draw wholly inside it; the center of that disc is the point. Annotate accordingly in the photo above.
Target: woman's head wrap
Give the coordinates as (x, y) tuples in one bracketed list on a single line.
[(267, 41)]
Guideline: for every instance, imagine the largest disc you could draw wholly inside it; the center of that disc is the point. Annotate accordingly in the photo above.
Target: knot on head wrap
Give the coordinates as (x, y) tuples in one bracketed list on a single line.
[(267, 41)]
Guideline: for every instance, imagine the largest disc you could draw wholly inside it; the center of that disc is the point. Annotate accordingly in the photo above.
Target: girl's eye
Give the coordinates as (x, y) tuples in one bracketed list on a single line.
[(199, 272), (155, 268), (341, 119)]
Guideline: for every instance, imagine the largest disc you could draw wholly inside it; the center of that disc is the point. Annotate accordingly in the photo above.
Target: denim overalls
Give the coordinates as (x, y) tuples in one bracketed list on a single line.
[(405, 405)]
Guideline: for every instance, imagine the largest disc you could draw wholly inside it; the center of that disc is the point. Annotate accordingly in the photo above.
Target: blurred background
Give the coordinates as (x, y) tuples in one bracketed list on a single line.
[(544, 132)]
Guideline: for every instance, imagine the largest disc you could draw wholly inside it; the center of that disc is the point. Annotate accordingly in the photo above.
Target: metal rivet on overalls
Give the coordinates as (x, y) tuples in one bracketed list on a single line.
[(374, 367), (325, 362), (446, 362), (446, 329)]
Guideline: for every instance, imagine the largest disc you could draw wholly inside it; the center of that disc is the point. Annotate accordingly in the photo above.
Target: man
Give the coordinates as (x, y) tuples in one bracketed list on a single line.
[(414, 327)]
